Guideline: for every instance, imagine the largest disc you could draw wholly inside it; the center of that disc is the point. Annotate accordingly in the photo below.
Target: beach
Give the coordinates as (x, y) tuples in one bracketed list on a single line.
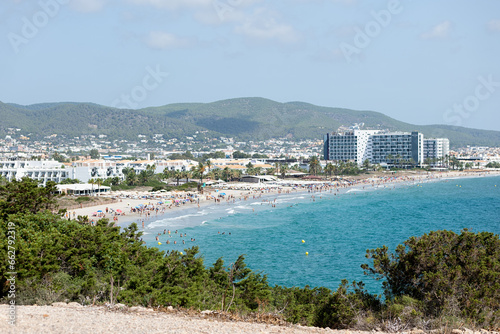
[(145, 207)]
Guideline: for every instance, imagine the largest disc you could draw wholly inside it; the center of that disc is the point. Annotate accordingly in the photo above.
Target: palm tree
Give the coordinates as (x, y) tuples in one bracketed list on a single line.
[(314, 165), (186, 174), (225, 174), (398, 159), (166, 173), (201, 170), (216, 173), (283, 170), (98, 181), (366, 164), (92, 182), (329, 168), (390, 159), (143, 177), (236, 174), (177, 176), (208, 163)]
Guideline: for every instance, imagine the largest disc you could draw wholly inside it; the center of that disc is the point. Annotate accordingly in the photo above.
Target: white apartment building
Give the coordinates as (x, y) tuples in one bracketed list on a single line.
[(436, 148), (396, 147), (42, 171), (348, 146), (376, 146)]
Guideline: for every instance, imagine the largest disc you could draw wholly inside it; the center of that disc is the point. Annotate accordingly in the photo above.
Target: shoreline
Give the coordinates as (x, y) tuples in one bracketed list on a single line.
[(237, 193)]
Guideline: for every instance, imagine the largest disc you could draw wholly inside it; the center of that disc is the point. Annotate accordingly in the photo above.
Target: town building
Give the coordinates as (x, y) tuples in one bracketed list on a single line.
[(436, 148), (41, 171), (348, 146), (378, 147), (397, 148)]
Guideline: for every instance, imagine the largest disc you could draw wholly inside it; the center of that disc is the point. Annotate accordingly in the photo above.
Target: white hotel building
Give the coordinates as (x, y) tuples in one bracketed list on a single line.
[(377, 146), (83, 170), (42, 171), (436, 148), (348, 146)]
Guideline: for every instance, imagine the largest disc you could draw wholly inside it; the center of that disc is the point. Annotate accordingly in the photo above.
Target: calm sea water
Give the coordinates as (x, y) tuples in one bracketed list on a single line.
[(337, 230)]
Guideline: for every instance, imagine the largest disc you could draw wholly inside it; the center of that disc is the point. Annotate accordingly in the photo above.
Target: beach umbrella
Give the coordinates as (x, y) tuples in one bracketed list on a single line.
[(118, 210), (99, 210)]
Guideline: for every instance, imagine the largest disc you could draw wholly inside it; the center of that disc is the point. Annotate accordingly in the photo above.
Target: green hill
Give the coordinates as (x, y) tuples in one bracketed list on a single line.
[(242, 118)]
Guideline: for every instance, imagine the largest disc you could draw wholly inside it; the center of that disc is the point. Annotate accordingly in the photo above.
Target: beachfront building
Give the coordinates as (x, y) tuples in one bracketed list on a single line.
[(397, 148), (258, 178), (378, 147), (82, 189), (348, 145), (42, 171), (174, 165), (436, 148), (84, 170)]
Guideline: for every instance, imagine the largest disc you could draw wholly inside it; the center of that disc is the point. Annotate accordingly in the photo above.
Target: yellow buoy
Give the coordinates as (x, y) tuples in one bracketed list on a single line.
[(307, 253), (303, 241), (159, 243), (182, 253)]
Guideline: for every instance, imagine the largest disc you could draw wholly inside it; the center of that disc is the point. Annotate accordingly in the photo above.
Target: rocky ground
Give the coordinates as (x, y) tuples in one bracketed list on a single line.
[(74, 318)]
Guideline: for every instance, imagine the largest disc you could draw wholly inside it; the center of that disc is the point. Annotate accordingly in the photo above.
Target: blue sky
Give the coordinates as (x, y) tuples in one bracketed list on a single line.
[(423, 62)]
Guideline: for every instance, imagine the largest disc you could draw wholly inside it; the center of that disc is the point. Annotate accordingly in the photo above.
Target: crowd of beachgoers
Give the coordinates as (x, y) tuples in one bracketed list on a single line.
[(144, 206)]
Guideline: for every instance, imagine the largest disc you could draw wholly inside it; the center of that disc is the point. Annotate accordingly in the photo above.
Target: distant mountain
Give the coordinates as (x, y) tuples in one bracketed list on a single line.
[(242, 118)]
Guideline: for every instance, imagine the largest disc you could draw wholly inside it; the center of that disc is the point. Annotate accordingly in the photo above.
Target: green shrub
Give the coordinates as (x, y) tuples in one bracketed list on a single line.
[(82, 199), (444, 271)]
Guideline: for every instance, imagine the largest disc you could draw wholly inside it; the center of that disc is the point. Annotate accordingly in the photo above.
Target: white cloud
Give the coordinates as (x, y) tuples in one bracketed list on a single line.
[(494, 25), (88, 6), (163, 40), (264, 27), (440, 31)]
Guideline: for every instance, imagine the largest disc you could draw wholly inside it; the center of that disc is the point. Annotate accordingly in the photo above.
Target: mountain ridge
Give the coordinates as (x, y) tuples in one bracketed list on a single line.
[(249, 118)]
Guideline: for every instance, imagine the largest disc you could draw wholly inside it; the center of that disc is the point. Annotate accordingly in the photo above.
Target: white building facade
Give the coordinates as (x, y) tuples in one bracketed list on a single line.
[(377, 147), (41, 171), (349, 146), (393, 148), (436, 148)]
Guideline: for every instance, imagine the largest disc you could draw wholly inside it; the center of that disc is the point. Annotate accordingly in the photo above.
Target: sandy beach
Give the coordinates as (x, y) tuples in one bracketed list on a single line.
[(143, 207)]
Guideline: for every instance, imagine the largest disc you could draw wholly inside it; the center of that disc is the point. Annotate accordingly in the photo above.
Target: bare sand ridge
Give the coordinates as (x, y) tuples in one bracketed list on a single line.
[(74, 318)]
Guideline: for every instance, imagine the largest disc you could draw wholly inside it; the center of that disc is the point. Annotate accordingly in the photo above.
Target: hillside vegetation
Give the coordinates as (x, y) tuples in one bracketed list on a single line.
[(435, 280), (241, 118)]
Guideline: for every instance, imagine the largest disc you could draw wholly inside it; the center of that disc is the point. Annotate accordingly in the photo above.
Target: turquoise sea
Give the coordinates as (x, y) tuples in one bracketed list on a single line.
[(337, 229)]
